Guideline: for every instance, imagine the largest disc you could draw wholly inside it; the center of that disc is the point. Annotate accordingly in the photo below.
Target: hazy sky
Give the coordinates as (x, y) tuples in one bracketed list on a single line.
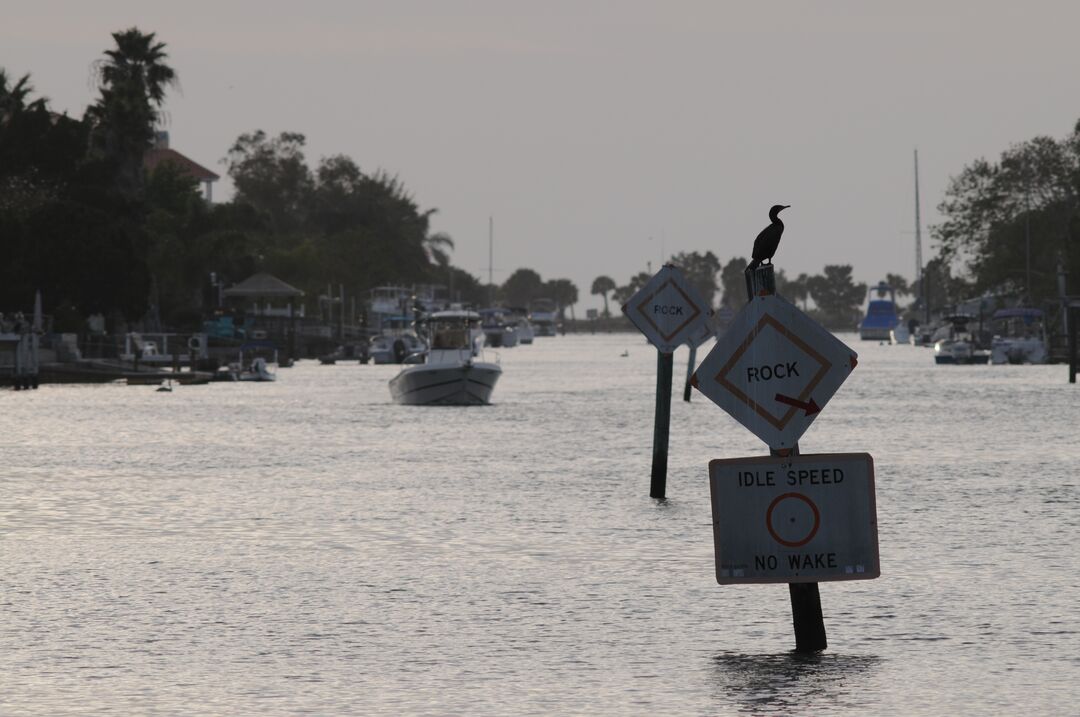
[(599, 134)]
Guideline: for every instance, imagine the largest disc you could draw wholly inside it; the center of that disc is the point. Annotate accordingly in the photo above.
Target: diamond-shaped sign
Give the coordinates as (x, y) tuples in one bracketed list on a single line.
[(668, 310), (774, 369)]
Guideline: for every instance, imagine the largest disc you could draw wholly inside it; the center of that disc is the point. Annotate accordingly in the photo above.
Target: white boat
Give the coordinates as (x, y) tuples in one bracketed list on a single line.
[(500, 329), (451, 375), (1019, 337), (544, 317), (257, 370), (397, 343), (525, 332), (958, 346)]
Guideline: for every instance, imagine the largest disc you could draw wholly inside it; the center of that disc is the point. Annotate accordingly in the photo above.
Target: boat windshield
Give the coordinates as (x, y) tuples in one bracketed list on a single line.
[(449, 334)]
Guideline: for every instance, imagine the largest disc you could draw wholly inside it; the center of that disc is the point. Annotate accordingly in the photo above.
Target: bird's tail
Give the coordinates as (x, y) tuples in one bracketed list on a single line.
[(754, 263)]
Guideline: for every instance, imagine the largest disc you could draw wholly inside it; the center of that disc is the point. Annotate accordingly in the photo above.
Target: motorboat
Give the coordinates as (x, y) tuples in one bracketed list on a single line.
[(958, 345), (257, 370), (1019, 337), (398, 343), (544, 317), (881, 318), (405, 347), (500, 330), (451, 374), (520, 317), (352, 351)]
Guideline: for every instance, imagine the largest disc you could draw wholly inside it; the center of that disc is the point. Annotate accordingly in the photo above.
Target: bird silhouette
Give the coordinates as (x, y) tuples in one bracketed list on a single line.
[(769, 238)]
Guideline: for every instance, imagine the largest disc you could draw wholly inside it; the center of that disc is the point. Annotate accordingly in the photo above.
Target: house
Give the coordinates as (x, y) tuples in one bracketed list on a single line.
[(162, 153)]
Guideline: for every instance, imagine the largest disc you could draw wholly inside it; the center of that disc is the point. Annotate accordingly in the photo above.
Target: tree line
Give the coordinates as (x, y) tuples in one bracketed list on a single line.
[(838, 299), (82, 220)]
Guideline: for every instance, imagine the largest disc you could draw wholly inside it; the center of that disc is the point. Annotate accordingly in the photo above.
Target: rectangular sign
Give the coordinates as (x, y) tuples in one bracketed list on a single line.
[(801, 519)]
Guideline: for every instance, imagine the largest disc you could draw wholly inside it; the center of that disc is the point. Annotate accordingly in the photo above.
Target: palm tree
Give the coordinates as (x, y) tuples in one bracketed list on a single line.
[(132, 79), (438, 247), (13, 97), (799, 289), (602, 285)]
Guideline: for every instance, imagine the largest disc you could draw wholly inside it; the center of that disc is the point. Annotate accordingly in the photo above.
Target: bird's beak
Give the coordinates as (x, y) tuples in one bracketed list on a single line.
[(787, 206)]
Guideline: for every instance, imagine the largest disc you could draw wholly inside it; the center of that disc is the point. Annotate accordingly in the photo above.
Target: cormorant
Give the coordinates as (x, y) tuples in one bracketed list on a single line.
[(769, 238)]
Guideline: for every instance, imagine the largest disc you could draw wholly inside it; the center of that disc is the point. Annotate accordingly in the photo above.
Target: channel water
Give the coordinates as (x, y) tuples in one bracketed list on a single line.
[(306, 546)]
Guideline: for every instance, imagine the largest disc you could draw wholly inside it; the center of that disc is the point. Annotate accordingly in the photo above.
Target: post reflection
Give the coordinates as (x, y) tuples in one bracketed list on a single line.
[(792, 683)]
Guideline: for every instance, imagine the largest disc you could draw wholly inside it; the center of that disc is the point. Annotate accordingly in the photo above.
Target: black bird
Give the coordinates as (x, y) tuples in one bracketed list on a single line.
[(769, 238)]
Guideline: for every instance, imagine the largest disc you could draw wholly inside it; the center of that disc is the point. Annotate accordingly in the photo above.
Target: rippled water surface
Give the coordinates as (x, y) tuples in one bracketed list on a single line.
[(308, 547)]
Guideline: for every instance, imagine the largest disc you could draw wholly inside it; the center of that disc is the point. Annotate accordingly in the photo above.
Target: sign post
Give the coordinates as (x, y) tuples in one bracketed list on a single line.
[(668, 311), (791, 518)]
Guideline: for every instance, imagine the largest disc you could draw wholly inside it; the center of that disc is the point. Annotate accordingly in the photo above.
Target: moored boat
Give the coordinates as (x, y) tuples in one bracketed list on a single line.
[(1019, 337), (881, 318), (959, 345)]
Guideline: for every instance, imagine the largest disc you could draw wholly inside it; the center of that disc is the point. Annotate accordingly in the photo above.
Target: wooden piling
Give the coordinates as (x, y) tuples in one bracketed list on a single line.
[(1073, 319), (689, 373), (806, 617), (661, 425)]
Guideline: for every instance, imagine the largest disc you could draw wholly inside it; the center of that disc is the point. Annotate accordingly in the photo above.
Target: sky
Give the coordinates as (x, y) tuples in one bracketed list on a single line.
[(603, 135)]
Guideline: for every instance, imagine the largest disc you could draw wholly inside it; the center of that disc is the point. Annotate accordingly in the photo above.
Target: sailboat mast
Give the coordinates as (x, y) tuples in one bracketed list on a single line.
[(491, 261), (918, 245)]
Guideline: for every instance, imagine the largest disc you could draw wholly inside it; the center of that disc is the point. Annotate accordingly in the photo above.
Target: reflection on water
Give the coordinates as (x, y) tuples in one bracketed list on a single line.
[(791, 683), (307, 546)]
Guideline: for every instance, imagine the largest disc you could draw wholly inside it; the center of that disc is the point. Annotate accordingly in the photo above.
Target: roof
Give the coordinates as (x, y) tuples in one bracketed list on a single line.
[(263, 285), (157, 156), (1022, 313), (454, 314)]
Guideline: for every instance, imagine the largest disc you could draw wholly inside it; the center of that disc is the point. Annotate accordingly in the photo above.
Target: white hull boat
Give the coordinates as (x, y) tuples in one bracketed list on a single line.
[(451, 375), (467, 384), (1019, 337)]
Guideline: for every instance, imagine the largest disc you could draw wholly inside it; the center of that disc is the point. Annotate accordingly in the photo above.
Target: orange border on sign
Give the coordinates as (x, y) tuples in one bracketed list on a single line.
[(680, 327), (778, 423), (813, 531)]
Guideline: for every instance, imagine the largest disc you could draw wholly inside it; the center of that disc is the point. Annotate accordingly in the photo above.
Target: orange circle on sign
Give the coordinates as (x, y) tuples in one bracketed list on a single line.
[(810, 535)]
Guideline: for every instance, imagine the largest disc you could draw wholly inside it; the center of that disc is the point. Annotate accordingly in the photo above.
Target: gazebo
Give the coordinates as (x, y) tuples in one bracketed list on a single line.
[(269, 289)]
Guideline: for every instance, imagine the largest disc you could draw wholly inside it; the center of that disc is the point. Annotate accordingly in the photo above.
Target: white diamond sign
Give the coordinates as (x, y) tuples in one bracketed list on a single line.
[(774, 369), (668, 310)]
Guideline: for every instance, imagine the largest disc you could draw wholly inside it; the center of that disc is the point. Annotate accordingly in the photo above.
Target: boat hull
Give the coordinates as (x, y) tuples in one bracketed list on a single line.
[(468, 384)]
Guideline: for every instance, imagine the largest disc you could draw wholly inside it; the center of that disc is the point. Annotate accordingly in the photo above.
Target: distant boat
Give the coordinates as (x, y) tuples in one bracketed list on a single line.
[(500, 328), (881, 317), (1019, 337), (451, 375), (398, 343), (520, 317), (544, 316), (258, 370), (959, 346)]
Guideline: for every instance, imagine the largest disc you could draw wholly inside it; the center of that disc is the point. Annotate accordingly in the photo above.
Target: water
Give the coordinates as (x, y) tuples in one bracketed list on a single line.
[(308, 547)]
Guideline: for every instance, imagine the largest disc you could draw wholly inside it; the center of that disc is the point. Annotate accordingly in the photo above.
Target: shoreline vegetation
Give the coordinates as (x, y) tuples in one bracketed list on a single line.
[(86, 219)]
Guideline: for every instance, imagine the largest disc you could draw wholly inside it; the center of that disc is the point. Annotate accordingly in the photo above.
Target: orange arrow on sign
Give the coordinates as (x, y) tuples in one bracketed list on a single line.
[(810, 407)]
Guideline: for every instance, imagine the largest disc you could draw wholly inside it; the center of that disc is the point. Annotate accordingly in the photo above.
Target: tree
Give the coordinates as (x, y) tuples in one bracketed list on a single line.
[(898, 283), (733, 281), (272, 175), (1026, 205), (522, 287), (602, 285), (565, 293), (943, 289), (796, 289), (700, 270), (622, 294), (132, 79), (838, 298)]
